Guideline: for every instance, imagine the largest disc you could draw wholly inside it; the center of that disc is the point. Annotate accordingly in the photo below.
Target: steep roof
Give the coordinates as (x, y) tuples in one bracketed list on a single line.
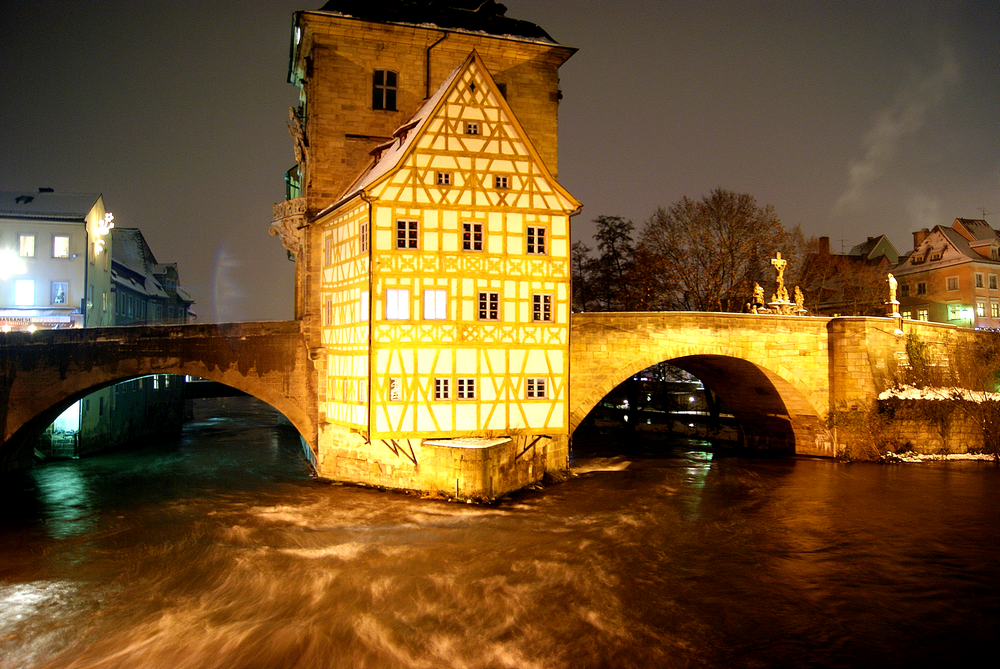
[(47, 205), (470, 15), (875, 249)]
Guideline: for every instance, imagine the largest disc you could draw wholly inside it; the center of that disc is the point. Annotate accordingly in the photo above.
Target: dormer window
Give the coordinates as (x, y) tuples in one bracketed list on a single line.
[(384, 87), (935, 255)]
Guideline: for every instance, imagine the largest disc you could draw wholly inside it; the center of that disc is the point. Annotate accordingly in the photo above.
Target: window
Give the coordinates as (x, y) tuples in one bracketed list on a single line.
[(363, 237), (397, 304), (328, 250), (993, 281), (444, 178), (921, 288), (994, 310), (981, 309), (907, 315), (541, 307), (406, 234), (472, 236), (384, 87), (534, 388), (904, 289), (936, 255), (952, 283), (979, 280), (471, 128), (535, 240), (954, 312), (328, 312), (24, 292), (466, 389), (489, 306), (922, 315), (60, 246), (435, 305), (395, 389), (442, 389), (59, 290), (26, 246), (499, 182)]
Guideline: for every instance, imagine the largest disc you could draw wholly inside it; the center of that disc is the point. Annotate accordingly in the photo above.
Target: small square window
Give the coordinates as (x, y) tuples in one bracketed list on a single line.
[(471, 128), (907, 315), (535, 388), (466, 389), (60, 246), (472, 236), (489, 306), (541, 307), (952, 283), (535, 242), (500, 182), (444, 178), (406, 234), (442, 389)]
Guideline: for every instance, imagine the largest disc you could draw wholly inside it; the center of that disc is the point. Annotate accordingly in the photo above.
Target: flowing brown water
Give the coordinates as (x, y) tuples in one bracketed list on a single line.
[(220, 551)]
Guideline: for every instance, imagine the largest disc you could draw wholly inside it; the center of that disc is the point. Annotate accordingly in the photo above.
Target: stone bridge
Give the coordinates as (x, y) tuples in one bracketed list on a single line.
[(779, 375), (43, 373)]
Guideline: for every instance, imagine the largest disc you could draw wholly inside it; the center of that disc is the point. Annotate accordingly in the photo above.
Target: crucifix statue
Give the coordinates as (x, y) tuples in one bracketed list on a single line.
[(779, 264)]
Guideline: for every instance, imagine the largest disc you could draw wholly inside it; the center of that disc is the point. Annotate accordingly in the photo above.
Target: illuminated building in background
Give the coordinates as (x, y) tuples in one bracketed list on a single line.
[(55, 260), (431, 235)]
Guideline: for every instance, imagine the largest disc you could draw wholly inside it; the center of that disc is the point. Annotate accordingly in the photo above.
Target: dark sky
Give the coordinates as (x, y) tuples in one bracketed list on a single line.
[(851, 118)]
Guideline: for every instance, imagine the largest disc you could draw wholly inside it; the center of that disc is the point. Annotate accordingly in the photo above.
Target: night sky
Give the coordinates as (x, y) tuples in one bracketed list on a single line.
[(851, 118)]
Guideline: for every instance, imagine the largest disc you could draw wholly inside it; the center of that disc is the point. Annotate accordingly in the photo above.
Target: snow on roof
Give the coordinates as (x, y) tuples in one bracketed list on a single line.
[(47, 204)]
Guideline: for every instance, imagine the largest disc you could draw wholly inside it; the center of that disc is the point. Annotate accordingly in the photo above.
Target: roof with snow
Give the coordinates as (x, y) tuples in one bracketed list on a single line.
[(472, 15), (44, 204)]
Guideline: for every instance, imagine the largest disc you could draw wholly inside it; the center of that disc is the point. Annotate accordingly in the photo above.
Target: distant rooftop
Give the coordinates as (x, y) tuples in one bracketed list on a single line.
[(473, 15), (47, 205)]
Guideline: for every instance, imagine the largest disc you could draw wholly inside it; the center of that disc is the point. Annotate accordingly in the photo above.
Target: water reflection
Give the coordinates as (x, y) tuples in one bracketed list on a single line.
[(66, 497)]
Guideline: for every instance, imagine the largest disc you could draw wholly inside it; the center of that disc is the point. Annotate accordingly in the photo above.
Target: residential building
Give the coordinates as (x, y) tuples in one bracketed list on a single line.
[(852, 283), (431, 236), (951, 275), (55, 260), (145, 291)]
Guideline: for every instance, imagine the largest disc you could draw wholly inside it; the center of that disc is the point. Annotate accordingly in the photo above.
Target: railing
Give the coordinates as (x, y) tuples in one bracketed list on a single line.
[(289, 208)]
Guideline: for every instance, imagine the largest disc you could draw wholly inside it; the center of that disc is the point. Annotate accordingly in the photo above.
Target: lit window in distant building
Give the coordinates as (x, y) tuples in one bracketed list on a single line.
[(60, 246), (384, 87), (59, 290), (922, 315), (981, 309), (907, 314), (952, 283), (954, 312), (994, 310), (24, 292), (26, 246)]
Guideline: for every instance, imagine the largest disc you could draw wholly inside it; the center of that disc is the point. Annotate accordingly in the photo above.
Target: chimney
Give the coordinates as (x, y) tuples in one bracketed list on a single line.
[(824, 246), (919, 236)]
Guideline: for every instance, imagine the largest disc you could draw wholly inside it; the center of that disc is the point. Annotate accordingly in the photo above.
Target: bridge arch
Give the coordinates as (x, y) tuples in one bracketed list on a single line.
[(48, 372), (773, 375)]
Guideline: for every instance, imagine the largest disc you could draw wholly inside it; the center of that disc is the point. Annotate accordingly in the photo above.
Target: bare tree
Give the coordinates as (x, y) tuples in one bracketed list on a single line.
[(845, 285), (708, 253), (583, 269), (614, 242)]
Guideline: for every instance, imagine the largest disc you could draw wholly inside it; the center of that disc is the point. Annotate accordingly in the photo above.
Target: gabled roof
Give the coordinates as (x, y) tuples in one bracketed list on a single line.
[(389, 156), (485, 16), (47, 205), (974, 229), (876, 248)]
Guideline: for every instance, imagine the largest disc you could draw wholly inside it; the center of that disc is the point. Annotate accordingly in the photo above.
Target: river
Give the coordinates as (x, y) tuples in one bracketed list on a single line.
[(221, 551)]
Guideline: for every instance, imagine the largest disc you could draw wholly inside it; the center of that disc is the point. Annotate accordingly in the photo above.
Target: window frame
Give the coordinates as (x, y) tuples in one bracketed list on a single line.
[(979, 281), (488, 302), (541, 307), (442, 389), (384, 93), (536, 240), (435, 304), (921, 288), (951, 284), (407, 234), (472, 236), (535, 388), (443, 178), (54, 292), (21, 287), (55, 238), (466, 388), (25, 245), (501, 182), (923, 315), (363, 236), (472, 128), (397, 309)]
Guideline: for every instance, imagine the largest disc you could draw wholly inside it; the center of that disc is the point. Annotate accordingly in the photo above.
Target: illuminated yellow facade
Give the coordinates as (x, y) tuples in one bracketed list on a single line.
[(433, 282)]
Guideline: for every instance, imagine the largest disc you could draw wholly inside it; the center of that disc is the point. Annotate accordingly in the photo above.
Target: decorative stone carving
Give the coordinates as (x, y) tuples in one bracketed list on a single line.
[(289, 223)]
